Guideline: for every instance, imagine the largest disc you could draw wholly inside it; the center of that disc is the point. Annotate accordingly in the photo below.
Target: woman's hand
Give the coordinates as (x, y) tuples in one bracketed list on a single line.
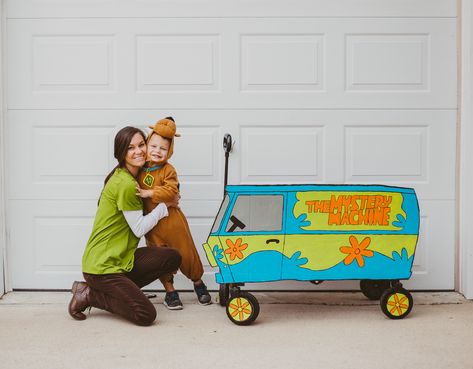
[(174, 203), (141, 192)]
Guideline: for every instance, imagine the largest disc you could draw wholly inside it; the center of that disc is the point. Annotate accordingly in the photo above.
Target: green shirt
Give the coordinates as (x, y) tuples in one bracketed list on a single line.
[(112, 244)]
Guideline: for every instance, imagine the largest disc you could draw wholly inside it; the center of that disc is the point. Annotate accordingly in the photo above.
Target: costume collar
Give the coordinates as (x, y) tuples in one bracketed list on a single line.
[(153, 168)]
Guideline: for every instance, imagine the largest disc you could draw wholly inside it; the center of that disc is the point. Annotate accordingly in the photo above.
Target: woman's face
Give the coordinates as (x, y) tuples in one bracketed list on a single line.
[(136, 154)]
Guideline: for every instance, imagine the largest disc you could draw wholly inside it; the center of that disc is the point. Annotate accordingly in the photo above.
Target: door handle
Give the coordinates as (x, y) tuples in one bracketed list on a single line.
[(272, 240)]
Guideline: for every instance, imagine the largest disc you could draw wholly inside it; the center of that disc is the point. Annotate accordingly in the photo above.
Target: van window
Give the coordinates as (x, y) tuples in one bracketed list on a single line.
[(252, 213), (221, 212)]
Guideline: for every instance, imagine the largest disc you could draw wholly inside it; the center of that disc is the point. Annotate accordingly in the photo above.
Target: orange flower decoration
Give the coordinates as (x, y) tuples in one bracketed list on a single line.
[(235, 249), (357, 251)]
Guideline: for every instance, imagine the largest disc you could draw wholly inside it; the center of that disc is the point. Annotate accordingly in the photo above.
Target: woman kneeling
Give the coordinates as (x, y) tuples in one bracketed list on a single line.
[(113, 266)]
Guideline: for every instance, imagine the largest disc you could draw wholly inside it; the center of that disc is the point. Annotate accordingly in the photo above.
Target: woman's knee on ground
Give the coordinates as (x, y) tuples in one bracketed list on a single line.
[(144, 315)]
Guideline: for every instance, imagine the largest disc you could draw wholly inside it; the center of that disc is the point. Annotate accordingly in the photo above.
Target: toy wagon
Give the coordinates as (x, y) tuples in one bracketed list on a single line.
[(314, 233)]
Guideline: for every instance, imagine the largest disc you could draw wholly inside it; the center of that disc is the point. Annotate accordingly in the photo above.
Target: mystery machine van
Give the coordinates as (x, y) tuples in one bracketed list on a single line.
[(314, 233)]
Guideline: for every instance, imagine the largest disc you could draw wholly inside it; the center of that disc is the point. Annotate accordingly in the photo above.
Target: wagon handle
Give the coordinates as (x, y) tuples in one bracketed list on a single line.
[(227, 147)]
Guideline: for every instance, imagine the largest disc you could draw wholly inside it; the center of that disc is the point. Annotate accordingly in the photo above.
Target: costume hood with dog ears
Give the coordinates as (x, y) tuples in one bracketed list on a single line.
[(165, 128)]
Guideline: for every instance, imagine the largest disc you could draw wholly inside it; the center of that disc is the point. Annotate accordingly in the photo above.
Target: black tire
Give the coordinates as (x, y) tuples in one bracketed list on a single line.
[(223, 294), (373, 289), (242, 308), (396, 303)]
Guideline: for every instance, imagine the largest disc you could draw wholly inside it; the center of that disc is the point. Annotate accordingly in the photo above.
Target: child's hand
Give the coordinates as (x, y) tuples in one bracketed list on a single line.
[(143, 193), (174, 203)]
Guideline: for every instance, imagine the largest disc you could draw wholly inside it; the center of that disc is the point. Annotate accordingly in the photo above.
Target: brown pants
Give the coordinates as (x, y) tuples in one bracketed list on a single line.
[(120, 293)]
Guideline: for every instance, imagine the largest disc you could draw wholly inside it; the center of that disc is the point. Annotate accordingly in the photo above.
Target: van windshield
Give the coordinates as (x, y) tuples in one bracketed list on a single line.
[(255, 213), (220, 214)]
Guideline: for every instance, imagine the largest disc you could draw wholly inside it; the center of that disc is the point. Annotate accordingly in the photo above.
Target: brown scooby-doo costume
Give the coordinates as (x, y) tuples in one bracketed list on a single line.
[(172, 231)]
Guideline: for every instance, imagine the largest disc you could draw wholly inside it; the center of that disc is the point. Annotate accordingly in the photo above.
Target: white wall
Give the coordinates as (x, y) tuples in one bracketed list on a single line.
[(466, 153), (2, 155)]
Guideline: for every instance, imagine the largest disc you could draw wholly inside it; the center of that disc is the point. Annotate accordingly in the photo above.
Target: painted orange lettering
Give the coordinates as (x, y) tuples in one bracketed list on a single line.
[(370, 202), (318, 206), (386, 216), (352, 217), (377, 216), (326, 207), (346, 202), (334, 218), (310, 206), (335, 203), (354, 204), (379, 201)]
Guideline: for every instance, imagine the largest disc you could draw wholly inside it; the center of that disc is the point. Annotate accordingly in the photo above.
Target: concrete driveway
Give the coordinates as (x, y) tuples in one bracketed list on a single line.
[(327, 330)]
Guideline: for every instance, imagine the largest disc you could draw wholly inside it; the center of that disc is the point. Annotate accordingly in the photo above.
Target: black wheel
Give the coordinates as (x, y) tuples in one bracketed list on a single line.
[(242, 308), (223, 294), (396, 303), (373, 289)]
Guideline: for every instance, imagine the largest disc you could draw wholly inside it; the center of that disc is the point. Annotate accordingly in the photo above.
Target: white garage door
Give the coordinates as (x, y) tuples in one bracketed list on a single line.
[(335, 91)]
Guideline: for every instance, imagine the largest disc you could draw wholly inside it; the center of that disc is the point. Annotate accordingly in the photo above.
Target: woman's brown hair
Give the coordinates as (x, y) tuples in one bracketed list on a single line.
[(120, 149)]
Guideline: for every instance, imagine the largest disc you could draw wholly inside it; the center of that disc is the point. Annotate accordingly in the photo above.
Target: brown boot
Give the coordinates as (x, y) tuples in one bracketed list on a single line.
[(79, 301)]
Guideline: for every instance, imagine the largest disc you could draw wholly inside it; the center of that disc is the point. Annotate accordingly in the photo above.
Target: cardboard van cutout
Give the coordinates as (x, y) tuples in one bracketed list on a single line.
[(314, 233)]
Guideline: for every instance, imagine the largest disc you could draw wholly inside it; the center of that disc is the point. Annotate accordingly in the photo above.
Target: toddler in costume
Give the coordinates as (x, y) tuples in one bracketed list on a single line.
[(159, 183)]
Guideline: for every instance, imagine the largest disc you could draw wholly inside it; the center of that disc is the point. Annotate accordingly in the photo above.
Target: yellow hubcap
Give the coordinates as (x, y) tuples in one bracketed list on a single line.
[(397, 304), (240, 308)]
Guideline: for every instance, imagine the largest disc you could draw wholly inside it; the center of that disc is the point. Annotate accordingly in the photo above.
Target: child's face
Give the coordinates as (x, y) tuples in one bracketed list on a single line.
[(158, 148)]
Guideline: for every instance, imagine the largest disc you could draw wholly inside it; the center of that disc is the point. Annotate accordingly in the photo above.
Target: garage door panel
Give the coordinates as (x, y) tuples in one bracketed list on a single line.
[(56, 61), (219, 8), (405, 148), (240, 63), (67, 154), (51, 237), (58, 159), (392, 153), (204, 146), (266, 66), (73, 63), (312, 91), (113, 63), (55, 154), (434, 262), (383, 60), (282, 154), (387, 153), (48, 254), (177, 63), (387, 62), (418, 155)]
